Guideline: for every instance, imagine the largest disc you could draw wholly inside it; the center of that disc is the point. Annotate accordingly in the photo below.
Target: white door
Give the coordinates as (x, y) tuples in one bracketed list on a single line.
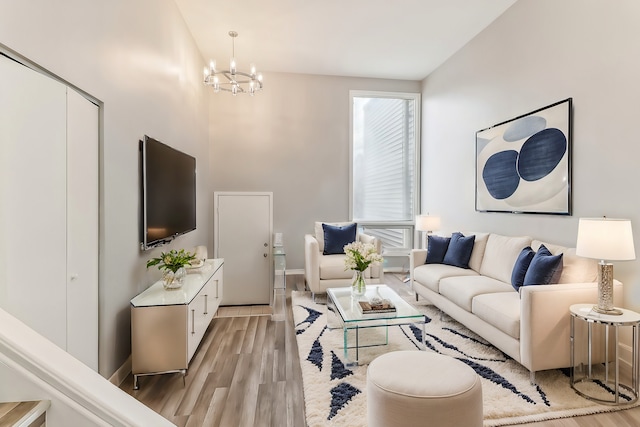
[(82, 228), (242, 236), (33, 196), (49, 209)]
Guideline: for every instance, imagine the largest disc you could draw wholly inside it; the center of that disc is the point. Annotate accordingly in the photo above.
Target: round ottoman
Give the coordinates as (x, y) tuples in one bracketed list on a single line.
[(419, 388)]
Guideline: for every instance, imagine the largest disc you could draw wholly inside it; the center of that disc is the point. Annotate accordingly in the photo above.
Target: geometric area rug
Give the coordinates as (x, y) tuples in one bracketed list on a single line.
[(334, 394)]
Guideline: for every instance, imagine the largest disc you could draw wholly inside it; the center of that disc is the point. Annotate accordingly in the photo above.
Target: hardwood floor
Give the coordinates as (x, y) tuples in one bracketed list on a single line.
[(247, 373)]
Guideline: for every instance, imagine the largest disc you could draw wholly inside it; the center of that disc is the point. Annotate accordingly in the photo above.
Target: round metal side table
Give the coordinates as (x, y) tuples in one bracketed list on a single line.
[(595, 362)]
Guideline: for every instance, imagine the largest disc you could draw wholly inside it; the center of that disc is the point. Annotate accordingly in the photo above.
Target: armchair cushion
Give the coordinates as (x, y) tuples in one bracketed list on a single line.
[(319, 232), (337, 236)]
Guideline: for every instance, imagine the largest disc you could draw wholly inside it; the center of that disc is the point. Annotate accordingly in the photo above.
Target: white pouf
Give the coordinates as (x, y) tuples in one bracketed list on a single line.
[(411, 388)]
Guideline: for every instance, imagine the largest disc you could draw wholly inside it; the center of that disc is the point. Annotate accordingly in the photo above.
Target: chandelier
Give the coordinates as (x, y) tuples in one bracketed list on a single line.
[(233, 80)]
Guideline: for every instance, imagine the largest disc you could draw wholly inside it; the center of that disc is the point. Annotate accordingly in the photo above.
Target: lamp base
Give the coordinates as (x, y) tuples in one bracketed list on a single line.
[(610, 312), (605, 290)]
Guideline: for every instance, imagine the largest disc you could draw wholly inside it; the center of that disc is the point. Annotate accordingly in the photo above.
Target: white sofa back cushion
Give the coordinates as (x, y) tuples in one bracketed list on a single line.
[(500, 256), (575, 269), (479, 246), (320, 232)]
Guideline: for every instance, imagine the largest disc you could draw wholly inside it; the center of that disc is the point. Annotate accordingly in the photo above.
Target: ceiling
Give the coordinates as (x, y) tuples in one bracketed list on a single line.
[(396, 39)]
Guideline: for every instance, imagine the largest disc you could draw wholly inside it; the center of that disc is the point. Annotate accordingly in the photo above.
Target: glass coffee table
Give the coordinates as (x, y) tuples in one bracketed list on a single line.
[(343, 312)]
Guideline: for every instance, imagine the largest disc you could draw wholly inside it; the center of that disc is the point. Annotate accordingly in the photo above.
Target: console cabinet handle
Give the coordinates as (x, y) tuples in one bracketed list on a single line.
[(193, 322), (206, 300)]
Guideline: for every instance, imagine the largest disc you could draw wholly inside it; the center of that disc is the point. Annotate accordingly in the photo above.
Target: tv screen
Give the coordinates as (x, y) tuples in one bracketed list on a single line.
[(168, 193)]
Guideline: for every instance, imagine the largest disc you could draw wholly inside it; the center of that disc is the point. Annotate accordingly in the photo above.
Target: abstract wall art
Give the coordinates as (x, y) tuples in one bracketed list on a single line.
[(523, 165)]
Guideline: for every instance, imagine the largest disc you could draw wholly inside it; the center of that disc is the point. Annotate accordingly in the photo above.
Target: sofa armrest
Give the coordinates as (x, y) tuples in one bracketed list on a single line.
[(545, 321), (417, 257), (312, 263)]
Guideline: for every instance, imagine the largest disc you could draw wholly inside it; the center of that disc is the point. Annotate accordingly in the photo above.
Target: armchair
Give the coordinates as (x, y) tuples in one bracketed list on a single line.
[(327, 271)]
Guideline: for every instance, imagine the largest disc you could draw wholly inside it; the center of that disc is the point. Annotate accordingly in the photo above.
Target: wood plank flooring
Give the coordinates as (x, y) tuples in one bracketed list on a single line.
[(247, 373)]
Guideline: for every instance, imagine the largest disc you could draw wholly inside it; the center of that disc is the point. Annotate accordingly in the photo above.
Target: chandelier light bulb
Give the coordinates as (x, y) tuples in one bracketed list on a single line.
[(253, 70), (212, 66), (233, 66), (206, 73)]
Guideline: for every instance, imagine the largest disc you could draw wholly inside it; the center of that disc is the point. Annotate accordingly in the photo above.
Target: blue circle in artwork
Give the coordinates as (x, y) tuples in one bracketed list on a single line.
[(541, 153), (524, 128), (500, 174)]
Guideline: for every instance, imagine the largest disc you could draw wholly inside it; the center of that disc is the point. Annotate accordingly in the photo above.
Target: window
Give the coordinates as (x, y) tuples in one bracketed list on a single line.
[(385, 165)]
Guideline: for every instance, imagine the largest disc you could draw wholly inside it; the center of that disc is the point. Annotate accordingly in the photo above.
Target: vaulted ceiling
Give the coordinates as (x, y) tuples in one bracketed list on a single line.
[(397, 39)]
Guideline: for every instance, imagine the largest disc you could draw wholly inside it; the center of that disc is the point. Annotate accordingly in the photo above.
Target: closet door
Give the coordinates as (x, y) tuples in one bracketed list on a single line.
[(33, 197), (49, 209), (82, 228)]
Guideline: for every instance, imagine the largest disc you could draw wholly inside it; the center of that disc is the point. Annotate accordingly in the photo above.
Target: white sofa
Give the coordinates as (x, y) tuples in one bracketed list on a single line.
[(327, 271), (530, 325)]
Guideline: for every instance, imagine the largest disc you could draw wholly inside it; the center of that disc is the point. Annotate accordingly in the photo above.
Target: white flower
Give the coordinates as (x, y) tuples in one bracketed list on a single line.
[(360, 255)]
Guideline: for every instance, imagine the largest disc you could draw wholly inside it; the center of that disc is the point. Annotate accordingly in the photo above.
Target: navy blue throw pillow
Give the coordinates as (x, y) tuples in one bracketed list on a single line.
[(459, 250), (337, 236), (544, 268), (521, 266), (436, 249)]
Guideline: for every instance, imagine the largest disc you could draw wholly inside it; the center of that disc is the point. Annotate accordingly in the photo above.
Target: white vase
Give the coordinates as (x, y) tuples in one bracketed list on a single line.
[(172, 280), (359, 284)]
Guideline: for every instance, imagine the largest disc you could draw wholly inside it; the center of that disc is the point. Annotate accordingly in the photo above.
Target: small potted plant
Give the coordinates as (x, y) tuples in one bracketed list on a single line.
[(172, 265)]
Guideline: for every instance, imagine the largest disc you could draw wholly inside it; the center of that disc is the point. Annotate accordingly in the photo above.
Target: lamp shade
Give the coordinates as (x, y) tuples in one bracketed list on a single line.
[(605, 239), (427, 223)]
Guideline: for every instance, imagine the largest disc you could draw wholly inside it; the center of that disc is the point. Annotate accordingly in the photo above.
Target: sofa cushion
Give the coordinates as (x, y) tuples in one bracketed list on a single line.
[(500, 256), (436, 248), (575, 269), (459, 250), (479, 246), (462, 289), (337, 236), (501, 310), (544, 269), (430, 275), (521, 266), (319, 232)]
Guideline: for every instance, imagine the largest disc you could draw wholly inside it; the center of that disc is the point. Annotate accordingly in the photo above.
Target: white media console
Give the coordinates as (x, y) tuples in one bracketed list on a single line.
[(168, 325)]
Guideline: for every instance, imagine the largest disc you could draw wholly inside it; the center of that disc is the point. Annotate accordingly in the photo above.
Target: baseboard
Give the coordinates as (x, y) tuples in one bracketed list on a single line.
[(292, 272), (121, 373)]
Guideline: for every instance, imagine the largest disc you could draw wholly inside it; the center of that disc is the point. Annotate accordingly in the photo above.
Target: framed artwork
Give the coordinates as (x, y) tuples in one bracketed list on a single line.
[(523, 165)]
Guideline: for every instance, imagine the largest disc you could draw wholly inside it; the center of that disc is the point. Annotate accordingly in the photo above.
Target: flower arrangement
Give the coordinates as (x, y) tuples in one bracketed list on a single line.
[(358, 257), (172, 260), (172, 265)]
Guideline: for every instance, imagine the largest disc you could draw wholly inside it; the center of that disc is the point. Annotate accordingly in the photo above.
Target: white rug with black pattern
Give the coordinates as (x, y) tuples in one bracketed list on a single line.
[(335, 393)]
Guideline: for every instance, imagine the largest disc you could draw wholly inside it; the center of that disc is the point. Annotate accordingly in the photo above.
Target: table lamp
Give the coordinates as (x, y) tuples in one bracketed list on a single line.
[(427, 223), (608, 239)]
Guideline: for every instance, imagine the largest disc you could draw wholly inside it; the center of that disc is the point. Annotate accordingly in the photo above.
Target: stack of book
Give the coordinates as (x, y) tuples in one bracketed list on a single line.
[(377, 307)]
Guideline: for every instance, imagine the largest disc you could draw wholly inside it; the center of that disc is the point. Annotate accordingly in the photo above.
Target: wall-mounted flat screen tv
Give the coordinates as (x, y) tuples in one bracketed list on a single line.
[(168, 193)]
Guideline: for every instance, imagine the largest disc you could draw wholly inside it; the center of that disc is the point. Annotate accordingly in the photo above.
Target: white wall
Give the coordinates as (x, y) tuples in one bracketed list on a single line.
[(140, 60), (537, 53), (292, 139)]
